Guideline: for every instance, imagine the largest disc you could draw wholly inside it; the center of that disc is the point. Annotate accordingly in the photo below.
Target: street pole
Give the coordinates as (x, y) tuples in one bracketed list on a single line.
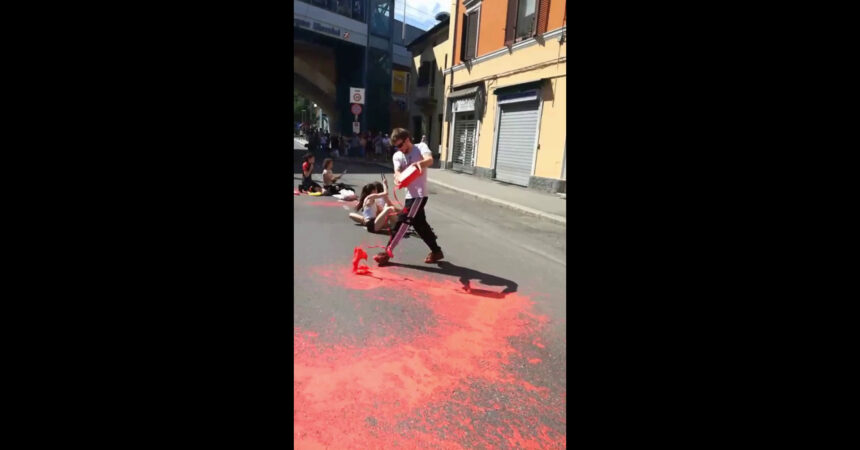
[(403, 33)]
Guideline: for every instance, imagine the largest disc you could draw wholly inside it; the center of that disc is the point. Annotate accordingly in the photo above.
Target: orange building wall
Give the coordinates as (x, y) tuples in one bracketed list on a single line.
[(556, 14), (494, 14)]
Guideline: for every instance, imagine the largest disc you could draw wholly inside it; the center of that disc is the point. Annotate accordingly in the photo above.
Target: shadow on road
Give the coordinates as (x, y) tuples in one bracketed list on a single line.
[(466, 275)]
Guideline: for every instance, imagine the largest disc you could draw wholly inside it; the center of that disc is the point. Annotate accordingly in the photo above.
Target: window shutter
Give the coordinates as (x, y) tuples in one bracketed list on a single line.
[(542, 16), (472, 42), (463, 38), (511, 24)]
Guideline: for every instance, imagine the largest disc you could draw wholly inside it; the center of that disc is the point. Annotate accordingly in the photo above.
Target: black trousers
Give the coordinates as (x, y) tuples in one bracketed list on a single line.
[(413, 214)]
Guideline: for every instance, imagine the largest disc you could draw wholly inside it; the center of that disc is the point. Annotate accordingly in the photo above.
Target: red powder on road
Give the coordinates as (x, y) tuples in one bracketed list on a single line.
[(457, 385), (323, 203)]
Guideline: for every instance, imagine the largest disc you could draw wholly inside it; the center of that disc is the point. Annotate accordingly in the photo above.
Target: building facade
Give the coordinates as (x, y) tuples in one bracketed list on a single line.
[(505, 101), (340, 44), (431, 53)]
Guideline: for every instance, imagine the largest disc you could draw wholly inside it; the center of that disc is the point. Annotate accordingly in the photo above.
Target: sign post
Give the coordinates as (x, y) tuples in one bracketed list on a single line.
[(356, 95)]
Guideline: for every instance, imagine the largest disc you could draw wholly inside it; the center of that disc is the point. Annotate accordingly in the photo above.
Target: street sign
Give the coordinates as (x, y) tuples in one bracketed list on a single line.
[(356, 95), (356, 127), (356, 109)]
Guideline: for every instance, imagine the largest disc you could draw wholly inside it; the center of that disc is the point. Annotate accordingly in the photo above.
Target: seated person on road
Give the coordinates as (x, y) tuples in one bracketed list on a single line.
[(308, 185), (371, 216), (330, 180)]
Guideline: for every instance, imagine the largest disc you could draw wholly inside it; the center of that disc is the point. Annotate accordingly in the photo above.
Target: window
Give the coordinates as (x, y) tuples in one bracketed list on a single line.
[(348, 8), (380, 21), (432, 78), (425, 73), (525, 19), (358, 10), (344, 7), (470, 35)]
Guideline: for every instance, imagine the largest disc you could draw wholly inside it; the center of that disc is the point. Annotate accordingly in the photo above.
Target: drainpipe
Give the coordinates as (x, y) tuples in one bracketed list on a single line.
[(451, 86)]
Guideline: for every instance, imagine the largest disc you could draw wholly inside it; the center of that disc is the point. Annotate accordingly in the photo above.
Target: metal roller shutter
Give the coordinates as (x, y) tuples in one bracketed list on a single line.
[(516, 142), (464, 143)]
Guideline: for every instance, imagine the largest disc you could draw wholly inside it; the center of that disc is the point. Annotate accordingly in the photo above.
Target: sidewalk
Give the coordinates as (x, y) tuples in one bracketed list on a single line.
[(540, 204)]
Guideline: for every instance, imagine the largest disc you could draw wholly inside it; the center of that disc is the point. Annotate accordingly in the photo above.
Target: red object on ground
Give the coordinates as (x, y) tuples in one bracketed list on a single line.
[(357, 255), (408, 176)]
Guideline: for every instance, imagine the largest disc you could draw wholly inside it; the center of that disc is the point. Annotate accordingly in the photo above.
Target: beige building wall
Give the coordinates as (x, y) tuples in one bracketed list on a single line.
[(524, 65), (438, 52)]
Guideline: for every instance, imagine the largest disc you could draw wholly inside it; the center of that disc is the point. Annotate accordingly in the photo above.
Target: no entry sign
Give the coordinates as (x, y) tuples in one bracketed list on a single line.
[(356, 95), (356, 109)]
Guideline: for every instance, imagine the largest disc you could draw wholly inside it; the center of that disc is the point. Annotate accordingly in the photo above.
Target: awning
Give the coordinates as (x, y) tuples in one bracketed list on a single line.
[(467, 92), (519, 87)]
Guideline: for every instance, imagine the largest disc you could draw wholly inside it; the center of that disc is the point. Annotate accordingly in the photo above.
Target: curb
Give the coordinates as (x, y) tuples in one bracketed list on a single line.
[(523, 209)]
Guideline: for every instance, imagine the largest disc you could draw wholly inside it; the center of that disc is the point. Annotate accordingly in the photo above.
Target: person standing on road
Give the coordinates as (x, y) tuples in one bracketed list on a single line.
[(419, 156), (377, 146), (386, 146)]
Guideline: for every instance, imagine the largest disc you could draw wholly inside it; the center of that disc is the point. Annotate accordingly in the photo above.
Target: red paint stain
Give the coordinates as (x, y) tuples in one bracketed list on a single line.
[(534, 361), (324, 203), (454, 386)]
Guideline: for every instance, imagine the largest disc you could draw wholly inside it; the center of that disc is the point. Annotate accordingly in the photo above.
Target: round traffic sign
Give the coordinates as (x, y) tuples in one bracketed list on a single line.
[(357, 97), (356, 109)]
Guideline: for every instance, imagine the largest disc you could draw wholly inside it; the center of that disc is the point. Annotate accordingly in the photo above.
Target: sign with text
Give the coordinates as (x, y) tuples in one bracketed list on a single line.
[(356, 95), (399, 82), (356, 127), (464, 105)]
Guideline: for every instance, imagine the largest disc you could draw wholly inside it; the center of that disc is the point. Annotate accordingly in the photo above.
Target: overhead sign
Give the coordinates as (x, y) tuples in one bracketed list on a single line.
[(317, 20), (356, 109), (319, 27), (356, 127), (399, 82), (464, 105), (356, 95)]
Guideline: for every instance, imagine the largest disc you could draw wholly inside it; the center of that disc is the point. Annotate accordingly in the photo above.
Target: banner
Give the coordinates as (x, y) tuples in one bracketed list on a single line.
[(399, 82)]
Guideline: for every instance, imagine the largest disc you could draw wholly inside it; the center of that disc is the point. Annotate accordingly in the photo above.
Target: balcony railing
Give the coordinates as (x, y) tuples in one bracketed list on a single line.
[(424, 93)]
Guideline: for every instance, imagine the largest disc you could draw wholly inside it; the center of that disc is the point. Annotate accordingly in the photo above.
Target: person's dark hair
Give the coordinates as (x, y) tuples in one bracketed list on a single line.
[(399, 134), (326, 161), (365, 191), (379, 186)]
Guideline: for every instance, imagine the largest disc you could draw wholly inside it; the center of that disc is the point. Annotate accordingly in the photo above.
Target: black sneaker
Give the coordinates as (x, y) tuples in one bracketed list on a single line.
[(381, 258), (434, 256)]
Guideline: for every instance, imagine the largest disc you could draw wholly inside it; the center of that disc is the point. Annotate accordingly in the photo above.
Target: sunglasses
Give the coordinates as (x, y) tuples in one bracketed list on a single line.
[(397, 146)]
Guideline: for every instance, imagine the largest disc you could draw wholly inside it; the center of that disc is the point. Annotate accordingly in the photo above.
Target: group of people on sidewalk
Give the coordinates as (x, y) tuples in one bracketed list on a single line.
[(374, 209)]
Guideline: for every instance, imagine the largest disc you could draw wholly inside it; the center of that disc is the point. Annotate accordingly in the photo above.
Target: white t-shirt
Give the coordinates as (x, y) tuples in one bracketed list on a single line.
[(418, 188)]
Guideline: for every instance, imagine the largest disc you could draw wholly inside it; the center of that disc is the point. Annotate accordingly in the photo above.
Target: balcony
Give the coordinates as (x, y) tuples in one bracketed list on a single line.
[(425, 96)]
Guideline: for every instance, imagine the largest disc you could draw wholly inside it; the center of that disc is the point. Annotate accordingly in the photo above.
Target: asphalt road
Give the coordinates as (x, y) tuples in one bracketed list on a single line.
[(465, 353)]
